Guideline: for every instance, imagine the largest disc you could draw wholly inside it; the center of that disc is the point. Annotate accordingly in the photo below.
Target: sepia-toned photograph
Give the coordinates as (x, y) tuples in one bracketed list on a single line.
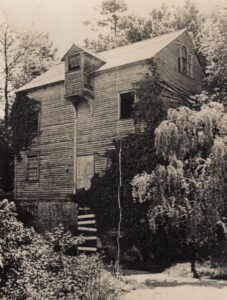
[(113, 149)]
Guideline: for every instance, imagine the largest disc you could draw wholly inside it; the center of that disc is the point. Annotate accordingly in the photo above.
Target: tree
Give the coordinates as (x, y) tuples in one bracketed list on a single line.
[(211, 41), (129, 28), (185, 194), (25, 55)]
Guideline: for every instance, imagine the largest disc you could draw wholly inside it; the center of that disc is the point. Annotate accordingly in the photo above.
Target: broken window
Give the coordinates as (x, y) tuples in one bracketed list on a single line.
[(126, 104), (73, 62)]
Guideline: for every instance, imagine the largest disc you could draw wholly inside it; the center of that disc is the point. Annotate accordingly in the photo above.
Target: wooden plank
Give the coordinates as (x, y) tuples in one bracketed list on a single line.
[(87, 229), (84, 208), (90, 238), (87, 222), (93, 249), (86, 216)]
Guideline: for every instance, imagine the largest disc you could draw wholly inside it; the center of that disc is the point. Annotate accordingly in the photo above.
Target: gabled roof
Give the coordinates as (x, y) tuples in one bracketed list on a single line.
[(113, 58), (77, 47), (55, 74), (137, 51)]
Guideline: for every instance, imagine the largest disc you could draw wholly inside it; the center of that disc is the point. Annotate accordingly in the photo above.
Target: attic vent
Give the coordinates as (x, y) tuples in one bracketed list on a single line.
[(73, 62)]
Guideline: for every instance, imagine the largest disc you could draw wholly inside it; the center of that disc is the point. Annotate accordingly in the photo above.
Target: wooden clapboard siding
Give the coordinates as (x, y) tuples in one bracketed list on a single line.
[(55, 147), (97, 124), (167, 63)]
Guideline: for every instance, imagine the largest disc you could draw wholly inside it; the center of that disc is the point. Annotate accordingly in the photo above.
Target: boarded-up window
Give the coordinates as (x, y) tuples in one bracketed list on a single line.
[(33, 168), (126, 105), (73, 62), (85, 171)]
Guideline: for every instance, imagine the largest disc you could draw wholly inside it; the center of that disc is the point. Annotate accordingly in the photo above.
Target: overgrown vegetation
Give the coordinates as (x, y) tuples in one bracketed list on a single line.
[(45, 267), (186, 193)]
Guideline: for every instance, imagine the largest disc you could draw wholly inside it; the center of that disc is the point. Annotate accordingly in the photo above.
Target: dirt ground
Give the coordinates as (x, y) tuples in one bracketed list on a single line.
[(175, 284), (184, 292)]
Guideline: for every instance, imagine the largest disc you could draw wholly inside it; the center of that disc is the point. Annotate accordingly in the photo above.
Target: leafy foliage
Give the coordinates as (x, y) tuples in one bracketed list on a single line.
[(186, 194), (25, 55), (211, 42), (24, 119), (36, 267), (125, 27)]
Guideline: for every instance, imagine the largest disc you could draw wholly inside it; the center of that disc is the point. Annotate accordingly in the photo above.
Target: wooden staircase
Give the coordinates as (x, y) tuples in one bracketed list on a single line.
[(87, 228)]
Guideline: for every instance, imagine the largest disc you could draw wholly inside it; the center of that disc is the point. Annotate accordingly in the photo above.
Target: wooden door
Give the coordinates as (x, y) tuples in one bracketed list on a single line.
[(85, 171)]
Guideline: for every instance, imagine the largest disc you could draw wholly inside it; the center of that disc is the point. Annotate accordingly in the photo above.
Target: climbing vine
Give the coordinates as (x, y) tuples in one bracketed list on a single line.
[(24, 119)]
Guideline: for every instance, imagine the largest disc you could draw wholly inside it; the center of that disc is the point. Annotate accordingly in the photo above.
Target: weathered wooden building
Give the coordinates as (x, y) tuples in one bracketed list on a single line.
[(86, 101)]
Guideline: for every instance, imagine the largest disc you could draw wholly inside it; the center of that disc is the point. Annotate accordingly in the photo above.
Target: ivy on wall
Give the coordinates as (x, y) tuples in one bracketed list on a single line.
[(24, 123)]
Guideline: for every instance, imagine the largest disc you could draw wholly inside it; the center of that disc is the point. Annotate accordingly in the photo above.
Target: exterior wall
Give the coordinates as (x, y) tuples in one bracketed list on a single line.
[(182, 85), (55, 148), (47, 198), (95, 129)]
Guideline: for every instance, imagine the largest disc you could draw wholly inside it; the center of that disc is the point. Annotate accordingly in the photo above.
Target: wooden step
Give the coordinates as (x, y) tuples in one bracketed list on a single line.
[(87, 222), (84, 208), (81, 248), (90, 238), (87, 229), (86, 216)]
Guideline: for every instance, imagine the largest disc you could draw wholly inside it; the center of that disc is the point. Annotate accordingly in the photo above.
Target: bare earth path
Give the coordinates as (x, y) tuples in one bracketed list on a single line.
[(185, 292), (173, 286)]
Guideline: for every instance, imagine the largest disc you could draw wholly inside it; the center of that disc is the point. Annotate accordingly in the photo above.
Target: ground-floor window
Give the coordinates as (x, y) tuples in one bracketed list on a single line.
[(32, 167)]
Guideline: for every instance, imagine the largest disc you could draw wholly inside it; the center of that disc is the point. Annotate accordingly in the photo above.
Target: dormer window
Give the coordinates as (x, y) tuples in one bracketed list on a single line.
[(73, 62)]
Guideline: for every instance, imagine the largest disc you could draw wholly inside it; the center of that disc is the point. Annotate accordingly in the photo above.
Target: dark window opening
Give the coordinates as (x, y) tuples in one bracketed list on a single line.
[(190, 65), (73, 63), (33, 168), (126, 105), (35, 121), (184, 61)]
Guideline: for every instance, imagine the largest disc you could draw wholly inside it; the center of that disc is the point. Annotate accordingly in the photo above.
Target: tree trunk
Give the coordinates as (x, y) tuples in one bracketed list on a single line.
[(193, 261), (193, 268), (6, 96)]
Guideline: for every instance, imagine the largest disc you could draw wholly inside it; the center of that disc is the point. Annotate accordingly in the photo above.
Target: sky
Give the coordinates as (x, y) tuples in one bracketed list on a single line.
[(63, 19)]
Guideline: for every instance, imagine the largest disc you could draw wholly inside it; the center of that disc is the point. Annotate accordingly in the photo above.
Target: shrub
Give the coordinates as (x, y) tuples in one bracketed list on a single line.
[(46, 267)]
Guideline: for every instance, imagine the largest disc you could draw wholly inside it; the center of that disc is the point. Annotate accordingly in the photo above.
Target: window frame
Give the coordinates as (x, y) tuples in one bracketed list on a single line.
[(29, 156), (190, 65), (119, 104), (185, 61), (73, 68)]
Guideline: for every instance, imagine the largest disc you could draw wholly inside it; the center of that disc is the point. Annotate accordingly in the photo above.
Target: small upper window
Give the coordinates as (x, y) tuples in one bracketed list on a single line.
[(126, 105), (190, 65), (184, 60), (73, 62), (35, 119), (33, 168)]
